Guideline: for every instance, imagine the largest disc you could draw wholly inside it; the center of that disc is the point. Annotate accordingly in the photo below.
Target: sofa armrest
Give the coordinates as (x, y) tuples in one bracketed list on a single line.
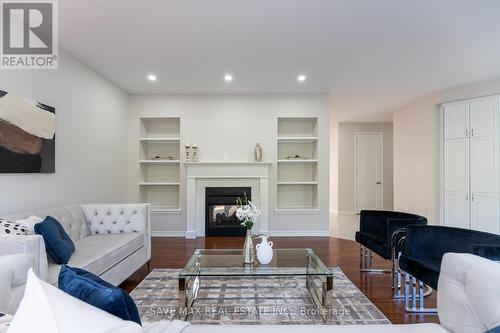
[(468, 299), (32, 244), (106, 219)]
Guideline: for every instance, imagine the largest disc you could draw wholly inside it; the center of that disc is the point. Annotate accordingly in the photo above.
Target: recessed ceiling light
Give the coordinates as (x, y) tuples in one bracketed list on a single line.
[(152, 77), (228, 77), (301, 78)]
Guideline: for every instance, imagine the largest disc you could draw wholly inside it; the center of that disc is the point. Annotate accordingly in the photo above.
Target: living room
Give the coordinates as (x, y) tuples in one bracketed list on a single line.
[(184, 166)]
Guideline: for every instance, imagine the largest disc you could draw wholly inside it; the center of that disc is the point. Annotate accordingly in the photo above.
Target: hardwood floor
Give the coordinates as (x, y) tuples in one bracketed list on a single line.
[(174, 252)]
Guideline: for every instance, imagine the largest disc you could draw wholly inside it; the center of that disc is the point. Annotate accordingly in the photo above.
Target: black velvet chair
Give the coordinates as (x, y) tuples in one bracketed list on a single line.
[(423, 250), (380, 231)]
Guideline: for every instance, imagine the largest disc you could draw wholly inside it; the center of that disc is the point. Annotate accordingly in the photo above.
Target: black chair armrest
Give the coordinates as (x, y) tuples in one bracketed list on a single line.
[(487, 251), (398, 225)]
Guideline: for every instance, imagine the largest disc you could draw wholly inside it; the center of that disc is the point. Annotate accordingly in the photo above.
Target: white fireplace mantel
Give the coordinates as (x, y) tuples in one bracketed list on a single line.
[(225, 174)]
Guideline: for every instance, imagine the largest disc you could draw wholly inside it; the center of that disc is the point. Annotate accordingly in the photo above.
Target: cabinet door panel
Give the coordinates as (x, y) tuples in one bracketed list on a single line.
[(456, 209), (483, 117), (484, 164), (456, 121), (484, 212), (456, 165)]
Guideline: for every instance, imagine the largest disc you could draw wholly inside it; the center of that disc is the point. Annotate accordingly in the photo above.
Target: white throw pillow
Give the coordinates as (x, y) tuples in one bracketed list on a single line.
[(11, 228), (45, 308), (29, 223)]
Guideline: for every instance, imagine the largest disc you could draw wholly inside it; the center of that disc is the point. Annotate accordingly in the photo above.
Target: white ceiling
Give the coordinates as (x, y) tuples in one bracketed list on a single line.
[(371, 55)]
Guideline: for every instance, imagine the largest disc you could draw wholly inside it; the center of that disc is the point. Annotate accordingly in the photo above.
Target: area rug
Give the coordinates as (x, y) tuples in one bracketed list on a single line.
[(251, 301)]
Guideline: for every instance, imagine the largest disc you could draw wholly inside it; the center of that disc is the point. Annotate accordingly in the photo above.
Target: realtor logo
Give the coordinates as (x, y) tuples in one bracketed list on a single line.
[(29, 35)]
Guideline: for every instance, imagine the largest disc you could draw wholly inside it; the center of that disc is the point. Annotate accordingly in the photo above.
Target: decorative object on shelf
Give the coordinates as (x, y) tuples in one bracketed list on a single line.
[(248, 214), (187, 147), (258, 153), (194, 153), (296, 157), (264, 251), (27, 135), (158, 157)]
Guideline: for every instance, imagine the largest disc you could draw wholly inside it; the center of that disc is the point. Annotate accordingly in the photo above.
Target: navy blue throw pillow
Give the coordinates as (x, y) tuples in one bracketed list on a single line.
[(494, 330), (58, 245), (95, 291)]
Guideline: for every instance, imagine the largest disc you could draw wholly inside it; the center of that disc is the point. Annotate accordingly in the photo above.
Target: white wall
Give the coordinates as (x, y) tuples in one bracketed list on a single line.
[(347, 175), (234, 124), (90, 138), (416, 148)]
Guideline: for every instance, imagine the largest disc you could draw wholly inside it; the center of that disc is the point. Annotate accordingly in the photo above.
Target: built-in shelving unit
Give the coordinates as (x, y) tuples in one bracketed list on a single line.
[(159, 163), (297, 165)]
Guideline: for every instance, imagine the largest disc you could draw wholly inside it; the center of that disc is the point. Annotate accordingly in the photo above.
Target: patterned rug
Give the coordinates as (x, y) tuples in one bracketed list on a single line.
[(250, 301)]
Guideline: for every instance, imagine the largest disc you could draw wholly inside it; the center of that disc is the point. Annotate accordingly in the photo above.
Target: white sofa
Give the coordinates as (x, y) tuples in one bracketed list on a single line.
[(111, 240), (468, 302)]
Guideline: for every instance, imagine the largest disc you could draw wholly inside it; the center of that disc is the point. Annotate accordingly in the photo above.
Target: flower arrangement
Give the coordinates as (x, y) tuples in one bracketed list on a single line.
[(247, 212)]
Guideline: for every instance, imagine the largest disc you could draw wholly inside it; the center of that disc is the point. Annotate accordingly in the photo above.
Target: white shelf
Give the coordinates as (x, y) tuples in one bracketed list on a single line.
[(298, 161), (303, 210), (158, 184), (159, 140), (159, 161), (297, 183), (160, 209), (293, 139)]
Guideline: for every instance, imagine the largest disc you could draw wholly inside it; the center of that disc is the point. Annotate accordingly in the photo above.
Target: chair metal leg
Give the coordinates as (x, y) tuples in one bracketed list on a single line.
[(421, 296), (366, 262)]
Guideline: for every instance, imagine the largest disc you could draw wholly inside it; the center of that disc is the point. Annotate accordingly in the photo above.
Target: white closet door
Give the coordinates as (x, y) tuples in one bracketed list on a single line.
[(484, 165), (456, 165), (483, 117), (484, 212), (456, 209), (456, 121)]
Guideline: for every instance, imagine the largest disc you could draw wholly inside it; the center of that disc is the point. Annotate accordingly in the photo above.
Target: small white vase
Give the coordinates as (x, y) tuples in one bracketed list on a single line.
[(264, 251)]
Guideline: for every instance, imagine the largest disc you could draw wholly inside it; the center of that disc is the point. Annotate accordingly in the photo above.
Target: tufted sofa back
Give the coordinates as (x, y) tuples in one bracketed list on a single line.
[(71, 217), (114, 219)]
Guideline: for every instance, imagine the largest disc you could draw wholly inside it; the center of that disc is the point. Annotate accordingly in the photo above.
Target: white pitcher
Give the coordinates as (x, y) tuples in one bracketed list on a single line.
[(264, 251)]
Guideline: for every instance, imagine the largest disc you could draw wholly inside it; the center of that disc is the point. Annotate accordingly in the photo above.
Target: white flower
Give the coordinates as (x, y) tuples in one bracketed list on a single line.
[(248, 212)]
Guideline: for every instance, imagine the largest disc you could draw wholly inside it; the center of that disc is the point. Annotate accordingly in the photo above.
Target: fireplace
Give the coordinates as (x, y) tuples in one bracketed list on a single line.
[(220, 210)]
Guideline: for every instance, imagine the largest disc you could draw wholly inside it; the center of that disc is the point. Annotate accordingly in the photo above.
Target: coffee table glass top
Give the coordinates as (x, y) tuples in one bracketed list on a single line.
[(286, 262)]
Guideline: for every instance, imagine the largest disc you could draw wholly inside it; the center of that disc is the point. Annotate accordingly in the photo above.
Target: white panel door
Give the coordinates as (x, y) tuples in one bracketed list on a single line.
[(456, 121), (484, 164), (456, 165), (456, 209), (483, 117), (484, 212), (369, 171)]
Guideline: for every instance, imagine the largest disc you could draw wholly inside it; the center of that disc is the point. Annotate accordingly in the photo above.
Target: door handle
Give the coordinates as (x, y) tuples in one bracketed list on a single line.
[(378, 183)]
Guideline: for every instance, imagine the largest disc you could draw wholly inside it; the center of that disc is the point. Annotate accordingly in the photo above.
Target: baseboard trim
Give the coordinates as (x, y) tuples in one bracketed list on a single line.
[(346, 212), (304, 233), (192, 235), (168, 234)]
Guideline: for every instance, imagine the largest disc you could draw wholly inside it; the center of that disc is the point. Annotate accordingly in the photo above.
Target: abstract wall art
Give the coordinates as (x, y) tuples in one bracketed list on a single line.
[(27, 135)]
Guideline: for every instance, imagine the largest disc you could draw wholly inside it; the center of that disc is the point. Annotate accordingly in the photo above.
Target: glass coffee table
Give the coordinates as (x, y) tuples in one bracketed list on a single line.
[(228, 263)]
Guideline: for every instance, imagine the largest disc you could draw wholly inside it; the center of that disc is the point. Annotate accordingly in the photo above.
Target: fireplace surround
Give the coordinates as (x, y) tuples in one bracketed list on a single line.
[(201, 175)]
